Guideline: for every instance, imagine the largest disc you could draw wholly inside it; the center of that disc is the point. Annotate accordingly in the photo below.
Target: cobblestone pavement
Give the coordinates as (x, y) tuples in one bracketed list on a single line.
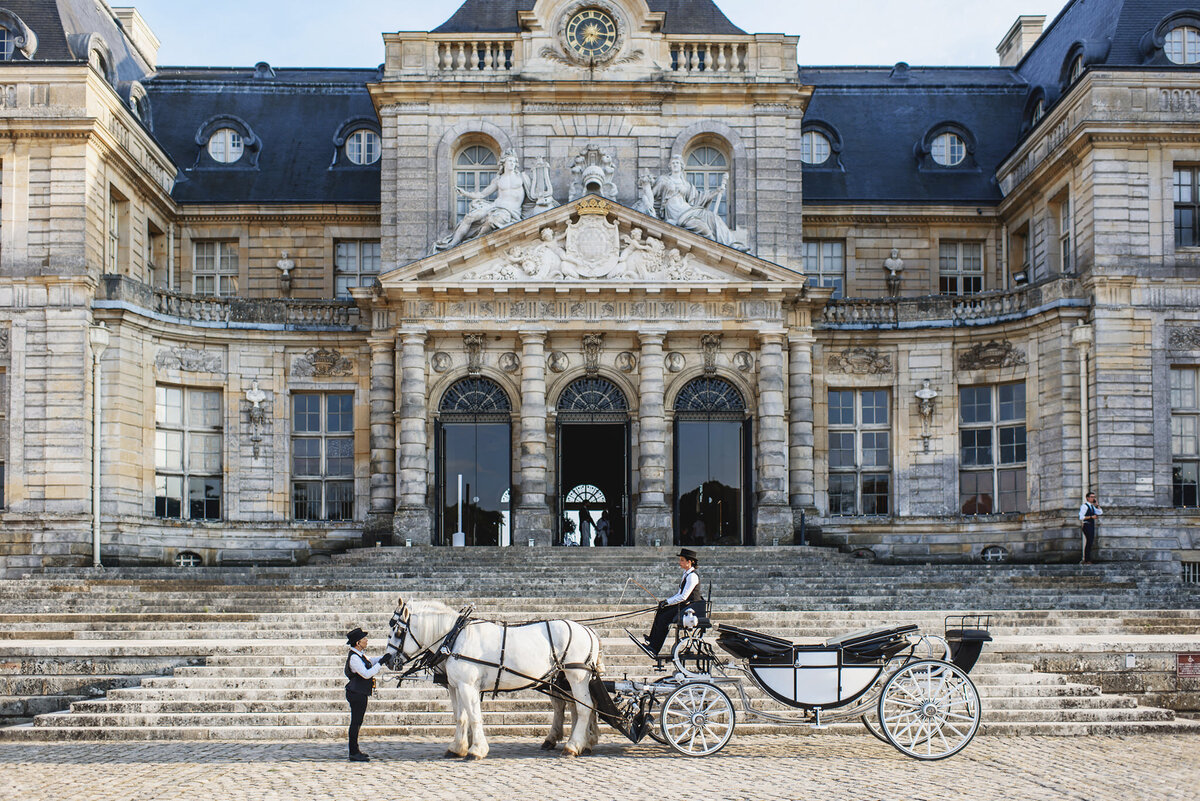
[(1161, 767)]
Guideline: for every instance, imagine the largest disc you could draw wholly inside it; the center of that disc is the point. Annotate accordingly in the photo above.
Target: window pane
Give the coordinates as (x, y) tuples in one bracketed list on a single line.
[(204, 498), (841, 449), (339, 457), (169, 406), (875, 449), (306, 500), (168, 496), (1012, 445), (306, 414), (204, 409), (1183, 388), (976, 447), (306, 457), (1183, 436), (1012, 402), (875, 493), (1185, 484), (340, 418), (975, 492), (339, 500), (875, 407), (204, 453), (841, 408), (1011, 497), (841, 494), (975, 405)]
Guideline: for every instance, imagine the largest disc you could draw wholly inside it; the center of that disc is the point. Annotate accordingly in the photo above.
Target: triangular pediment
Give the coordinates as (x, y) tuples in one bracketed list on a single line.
[(590, 242)]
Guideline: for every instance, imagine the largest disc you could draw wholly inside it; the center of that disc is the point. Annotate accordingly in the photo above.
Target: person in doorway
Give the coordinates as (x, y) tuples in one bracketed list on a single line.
[(669, 609), (603, 528), (360, 673), (586, 527), (1089, 516)]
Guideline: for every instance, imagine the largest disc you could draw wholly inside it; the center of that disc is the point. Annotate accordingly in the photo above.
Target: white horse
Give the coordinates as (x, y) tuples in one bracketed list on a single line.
[(488, 656)]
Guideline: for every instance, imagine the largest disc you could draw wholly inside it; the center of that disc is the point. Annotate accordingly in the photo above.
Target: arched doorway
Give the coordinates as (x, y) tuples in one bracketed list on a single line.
[(593, 462), (712, 458), (474, 461)]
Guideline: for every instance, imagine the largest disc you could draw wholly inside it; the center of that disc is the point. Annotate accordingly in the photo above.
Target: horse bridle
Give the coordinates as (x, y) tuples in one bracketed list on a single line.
[(425, 657)]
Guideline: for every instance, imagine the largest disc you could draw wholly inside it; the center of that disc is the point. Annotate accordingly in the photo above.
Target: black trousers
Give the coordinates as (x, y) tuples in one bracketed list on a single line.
[(1089, 541), (666, 616), (358, 711)]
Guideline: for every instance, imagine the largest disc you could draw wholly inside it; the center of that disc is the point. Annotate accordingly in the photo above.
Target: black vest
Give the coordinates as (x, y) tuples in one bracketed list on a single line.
[(694, 595), (356, 683)]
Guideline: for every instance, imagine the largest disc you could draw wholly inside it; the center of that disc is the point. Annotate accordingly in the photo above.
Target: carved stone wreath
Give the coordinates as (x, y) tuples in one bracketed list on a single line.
[(4, 341), (867, 361), (1177, 339), (322, 362), (991, 355)]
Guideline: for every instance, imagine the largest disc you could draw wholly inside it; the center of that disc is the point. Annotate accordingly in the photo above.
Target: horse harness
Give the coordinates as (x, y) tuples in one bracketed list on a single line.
[(426, 658)]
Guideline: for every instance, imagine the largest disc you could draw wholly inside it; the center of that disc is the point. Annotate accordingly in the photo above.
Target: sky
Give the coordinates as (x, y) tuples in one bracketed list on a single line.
[(318, 33)]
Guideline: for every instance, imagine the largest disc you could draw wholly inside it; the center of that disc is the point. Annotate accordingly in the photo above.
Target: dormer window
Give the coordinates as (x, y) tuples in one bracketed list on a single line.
[(362, 147), (1182, 45), (814, 148), (1039, 111), (7, 44), (225, 146), (948, 149), (1075, 70)]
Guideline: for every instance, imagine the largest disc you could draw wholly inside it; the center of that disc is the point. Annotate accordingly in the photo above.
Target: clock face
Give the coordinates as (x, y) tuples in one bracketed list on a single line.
[(591, 33)]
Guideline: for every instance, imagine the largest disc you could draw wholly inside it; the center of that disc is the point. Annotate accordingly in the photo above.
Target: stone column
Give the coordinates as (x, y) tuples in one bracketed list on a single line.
[(801, 481), (379, 522), (414, 519), (773, 516), (652, 518), (532, 518)]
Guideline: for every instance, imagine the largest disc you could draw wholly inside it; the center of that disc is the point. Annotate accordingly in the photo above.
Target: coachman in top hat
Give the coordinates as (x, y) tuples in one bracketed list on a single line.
[(670, 609)]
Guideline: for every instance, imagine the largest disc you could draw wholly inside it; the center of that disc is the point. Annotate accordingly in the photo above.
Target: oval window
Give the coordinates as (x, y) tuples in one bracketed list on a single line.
[(948, 149), (225, 146)]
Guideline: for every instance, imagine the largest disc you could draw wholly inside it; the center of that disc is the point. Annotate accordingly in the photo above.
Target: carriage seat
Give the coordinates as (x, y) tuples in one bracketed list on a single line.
[(871, 644), (748, 644)]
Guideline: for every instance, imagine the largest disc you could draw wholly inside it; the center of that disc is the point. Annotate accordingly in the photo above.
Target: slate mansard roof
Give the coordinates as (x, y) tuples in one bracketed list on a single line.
[(62, 26), (295, 113), (500, 16)]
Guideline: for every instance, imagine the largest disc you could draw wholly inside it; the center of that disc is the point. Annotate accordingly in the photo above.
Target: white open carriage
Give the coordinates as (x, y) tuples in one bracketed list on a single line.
[(909, 689)]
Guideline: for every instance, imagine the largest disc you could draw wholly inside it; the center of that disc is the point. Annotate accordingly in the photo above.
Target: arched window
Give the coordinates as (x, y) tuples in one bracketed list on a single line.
[(814, 148), (708, 396), (948, 149), (225, 146), (1182, 45), (362, 147), (592, 395), (706, 168), (1075, 70), (475, 396), (586, 493), (1039, 111), (474, 168)]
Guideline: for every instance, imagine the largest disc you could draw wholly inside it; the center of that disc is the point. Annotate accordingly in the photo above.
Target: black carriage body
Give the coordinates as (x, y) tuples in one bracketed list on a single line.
[(827, 675)]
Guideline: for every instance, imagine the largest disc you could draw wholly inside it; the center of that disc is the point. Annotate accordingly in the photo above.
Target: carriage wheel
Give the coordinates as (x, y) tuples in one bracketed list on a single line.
[(871, 721), (697, 719), (929, 709)]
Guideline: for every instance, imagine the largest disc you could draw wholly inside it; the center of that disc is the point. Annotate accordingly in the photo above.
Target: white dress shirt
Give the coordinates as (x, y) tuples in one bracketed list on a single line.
[(361, 664), (690, 580), (1083, 510)]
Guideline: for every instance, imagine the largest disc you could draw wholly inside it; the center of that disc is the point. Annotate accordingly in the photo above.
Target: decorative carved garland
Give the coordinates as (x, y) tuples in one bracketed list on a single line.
[(1183, 338), (869, 361), (991, 354), (189, 359)]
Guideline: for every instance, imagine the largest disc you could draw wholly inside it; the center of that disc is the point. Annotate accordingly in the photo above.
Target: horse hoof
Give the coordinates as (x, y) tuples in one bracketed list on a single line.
[(473, 757), (548, 745), (569, 752), (587, 751), (452, 755)]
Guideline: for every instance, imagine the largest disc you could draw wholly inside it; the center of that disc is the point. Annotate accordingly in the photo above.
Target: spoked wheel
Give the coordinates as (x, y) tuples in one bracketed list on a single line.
[(697, 719), (871, 721), (929, 710)]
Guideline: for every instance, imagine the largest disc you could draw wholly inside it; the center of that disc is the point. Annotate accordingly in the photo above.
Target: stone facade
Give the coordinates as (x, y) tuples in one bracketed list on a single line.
[(98, 227)]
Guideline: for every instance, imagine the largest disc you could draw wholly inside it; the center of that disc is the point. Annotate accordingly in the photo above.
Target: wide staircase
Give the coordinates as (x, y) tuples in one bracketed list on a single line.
[(216, 653)]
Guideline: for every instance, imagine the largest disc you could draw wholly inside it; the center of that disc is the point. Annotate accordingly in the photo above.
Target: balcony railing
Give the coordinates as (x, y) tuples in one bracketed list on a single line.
[(233, 312), (711, 58), (949, 310)]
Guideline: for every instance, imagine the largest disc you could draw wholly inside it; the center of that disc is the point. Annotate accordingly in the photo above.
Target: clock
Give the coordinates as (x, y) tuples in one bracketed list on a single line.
[(591, 34)]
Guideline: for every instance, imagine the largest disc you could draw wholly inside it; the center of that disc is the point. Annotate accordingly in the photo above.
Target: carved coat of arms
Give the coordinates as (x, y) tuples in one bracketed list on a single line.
[(596, 244)]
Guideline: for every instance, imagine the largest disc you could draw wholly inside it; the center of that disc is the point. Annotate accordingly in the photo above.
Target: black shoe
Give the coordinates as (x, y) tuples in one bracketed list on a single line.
[(360, 757)]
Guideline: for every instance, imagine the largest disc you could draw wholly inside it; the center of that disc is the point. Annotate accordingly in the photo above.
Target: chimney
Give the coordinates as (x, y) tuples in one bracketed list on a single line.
[(140, 35), (1020, 39)]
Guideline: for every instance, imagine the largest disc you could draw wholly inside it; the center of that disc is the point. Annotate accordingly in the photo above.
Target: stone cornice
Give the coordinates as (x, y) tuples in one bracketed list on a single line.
[(900, 214), (357, 214)]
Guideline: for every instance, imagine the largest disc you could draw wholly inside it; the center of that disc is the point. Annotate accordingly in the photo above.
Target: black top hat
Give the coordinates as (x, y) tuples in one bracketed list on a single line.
[(688, 553), (355, 635)]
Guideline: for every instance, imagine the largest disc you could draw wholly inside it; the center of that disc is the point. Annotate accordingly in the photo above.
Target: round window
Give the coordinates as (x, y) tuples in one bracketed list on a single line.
[(814, 148), (1183, 45), (948, 149), (225, 146), (363, 147)]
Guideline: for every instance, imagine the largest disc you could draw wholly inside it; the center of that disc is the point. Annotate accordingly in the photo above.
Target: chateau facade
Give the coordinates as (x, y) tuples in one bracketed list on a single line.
[(562, 261)]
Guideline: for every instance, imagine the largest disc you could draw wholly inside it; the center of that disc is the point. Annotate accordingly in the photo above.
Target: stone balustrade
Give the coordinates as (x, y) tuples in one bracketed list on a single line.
[(485, 56), (710, 58), (233, 312), (946, 310)]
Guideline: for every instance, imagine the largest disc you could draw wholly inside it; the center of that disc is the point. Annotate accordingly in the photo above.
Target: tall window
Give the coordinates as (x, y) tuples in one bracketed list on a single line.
[(323, 456), (960, 268), (1182, 45), (1076, 70), (1185, 436), (1063, 214), (3, 436), (474, 169), (355, 263), (859, 452), (825, 264), (215, 268), (118, 221), (706, 167), (187, 453), (992, 449), (1187, 207), (155, 253)]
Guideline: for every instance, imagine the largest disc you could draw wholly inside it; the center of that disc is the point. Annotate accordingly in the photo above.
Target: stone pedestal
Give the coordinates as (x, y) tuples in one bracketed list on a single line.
[(533, 521), (414, 523), (652, 520)]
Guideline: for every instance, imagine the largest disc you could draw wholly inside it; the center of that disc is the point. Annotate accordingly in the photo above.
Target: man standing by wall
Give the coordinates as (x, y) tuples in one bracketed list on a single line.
[(1089, 516)]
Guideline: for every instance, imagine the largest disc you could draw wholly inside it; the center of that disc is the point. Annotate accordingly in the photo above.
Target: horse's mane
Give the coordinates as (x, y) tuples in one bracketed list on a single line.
[(431, 607)]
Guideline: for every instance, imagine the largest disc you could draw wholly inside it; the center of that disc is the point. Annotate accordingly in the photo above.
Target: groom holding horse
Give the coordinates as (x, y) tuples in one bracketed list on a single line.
[(360, 671)]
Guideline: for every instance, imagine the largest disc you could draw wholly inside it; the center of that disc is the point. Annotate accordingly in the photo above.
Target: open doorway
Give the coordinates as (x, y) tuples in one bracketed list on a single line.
[(593, 484)]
